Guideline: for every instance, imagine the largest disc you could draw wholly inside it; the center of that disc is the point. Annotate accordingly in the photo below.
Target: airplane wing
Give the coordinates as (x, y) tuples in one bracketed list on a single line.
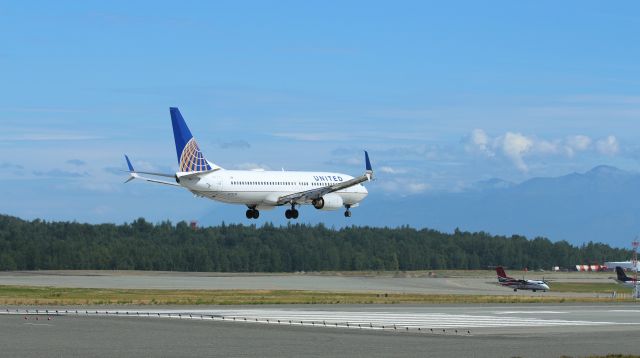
[(310, 195), (136, 175)]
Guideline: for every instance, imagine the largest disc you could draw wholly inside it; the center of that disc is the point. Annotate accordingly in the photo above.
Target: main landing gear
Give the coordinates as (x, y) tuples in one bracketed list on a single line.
[(347, 213), (291, 213), (253, 213)]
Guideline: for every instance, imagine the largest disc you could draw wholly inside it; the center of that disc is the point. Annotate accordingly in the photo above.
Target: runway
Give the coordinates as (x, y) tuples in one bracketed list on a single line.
[(405, 318), (362, 330), (474, 330), (481, 283)]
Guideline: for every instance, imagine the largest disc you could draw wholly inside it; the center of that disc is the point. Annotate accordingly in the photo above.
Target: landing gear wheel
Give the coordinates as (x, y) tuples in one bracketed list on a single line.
[(347, 213), (287, 214), (252, 214), (294, 214), (515, 290)]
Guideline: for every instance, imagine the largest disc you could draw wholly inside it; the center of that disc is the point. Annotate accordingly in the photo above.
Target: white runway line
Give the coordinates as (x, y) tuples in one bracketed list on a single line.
[(529, 312), (420, 321)]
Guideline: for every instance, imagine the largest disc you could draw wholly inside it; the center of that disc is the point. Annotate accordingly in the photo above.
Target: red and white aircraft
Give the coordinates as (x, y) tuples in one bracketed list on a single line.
[(533, 285)]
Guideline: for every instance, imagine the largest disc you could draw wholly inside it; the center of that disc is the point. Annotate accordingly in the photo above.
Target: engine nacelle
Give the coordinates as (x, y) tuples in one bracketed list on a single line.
[(330, 201)]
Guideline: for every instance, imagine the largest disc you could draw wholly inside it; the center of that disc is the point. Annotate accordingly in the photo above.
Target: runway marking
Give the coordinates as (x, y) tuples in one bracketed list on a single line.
[(530, 312), (414, 321), (424, 320)]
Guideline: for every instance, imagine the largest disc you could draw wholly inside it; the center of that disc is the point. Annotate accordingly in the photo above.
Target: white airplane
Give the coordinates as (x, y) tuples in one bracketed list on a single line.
[(258, 190), (533, 285)]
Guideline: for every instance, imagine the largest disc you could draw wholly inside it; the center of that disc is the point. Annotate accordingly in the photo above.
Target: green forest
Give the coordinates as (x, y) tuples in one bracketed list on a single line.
[(140, 245)]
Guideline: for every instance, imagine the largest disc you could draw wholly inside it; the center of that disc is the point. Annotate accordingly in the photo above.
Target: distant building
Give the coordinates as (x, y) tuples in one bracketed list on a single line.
[(627, 265)]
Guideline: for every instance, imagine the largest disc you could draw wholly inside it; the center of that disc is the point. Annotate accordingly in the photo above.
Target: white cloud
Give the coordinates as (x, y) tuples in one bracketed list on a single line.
[(479, 142), (416, 188), (403, 186), (390, 170), (514, 146), (517, 146), (608, 145), (545, 146), (577, 143)]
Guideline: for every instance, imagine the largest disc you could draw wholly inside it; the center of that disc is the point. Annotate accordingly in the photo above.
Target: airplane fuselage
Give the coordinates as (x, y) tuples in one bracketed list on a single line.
[(533, 285), (262, 189)]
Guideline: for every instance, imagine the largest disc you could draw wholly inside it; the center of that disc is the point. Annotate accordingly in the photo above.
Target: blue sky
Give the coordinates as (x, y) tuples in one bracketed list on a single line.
[(442, 95)]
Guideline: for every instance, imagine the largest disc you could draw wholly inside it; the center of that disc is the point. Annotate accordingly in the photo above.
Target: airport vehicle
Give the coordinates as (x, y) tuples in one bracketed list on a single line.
[(258, 190), (533, 285), (624, 279)]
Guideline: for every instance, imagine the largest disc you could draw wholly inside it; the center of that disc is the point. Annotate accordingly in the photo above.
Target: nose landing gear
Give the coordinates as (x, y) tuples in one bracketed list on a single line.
[(347, 213)]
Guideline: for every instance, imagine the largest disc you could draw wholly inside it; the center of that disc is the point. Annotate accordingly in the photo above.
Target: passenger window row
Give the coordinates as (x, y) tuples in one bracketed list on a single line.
[(267, 183)]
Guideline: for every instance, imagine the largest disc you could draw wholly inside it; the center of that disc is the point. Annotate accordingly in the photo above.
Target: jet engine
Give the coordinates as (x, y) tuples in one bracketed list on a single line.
[(330, 201)]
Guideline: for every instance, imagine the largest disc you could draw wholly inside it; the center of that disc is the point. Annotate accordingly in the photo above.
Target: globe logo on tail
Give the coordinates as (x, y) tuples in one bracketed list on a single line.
[(192, 159)]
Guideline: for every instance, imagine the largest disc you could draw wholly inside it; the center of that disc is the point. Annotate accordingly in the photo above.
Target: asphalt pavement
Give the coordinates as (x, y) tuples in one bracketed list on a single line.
[(446, 331)]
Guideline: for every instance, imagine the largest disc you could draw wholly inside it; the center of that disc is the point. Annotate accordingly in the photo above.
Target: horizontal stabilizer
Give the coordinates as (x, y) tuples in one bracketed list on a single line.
[(136, 175)]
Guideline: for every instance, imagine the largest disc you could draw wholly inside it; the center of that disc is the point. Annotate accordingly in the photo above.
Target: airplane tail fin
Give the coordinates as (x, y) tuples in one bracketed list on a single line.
[(622, 277), (500, 272), (190, 158)]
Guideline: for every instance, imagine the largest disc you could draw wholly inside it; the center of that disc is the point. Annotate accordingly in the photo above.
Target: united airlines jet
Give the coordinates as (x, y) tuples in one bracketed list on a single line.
[(258, 190)]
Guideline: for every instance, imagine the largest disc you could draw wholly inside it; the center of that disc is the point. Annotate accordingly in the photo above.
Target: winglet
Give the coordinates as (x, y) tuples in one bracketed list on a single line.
[(369, 172), (132, 172), (367, 162), (129, 163)]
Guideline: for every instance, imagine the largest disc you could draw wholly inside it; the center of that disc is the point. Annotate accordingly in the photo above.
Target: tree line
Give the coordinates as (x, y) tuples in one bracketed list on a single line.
[(140, 245)]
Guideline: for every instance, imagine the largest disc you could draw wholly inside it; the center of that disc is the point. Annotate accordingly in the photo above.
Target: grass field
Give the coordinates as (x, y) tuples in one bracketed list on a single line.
[(25, 295), (580, 287)]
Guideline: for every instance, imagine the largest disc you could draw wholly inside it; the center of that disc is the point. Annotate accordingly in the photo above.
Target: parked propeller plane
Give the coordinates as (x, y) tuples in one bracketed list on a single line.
[(533, 285)]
